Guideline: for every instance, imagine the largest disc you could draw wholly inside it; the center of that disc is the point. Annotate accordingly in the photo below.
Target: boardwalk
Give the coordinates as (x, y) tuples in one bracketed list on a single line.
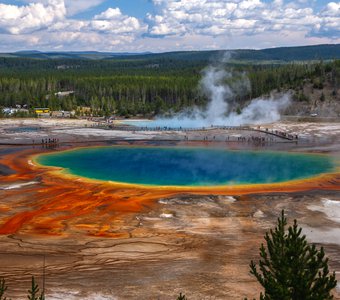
[(276, 133)]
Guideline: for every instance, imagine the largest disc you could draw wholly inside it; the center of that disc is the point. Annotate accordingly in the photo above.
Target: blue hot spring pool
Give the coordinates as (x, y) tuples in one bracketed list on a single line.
[(174, 166), (169, 123), (23, 129)]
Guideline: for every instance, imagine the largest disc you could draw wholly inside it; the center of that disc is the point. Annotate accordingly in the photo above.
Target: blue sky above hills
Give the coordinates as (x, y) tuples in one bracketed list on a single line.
[(165, 25)]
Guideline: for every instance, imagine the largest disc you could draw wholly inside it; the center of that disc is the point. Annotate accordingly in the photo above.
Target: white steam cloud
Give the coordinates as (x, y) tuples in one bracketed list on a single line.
[(217, 91), (221, 87)]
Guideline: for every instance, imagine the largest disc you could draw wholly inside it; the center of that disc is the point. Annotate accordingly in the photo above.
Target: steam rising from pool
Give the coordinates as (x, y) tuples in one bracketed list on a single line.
[(221, 88)]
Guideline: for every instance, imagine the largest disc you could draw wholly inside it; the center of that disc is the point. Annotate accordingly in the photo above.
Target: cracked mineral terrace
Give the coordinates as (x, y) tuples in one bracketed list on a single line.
[(104, 241)]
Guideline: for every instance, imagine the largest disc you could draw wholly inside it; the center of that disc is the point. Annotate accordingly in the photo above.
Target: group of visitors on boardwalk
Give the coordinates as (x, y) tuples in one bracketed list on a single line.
[(47, 142)]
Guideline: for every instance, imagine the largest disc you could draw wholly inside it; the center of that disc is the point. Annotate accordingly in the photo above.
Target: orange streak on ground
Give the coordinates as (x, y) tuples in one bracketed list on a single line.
[(65, 205)]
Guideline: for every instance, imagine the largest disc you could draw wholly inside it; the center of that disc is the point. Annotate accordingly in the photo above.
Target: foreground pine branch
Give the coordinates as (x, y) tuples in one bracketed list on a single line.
[(290, 268)]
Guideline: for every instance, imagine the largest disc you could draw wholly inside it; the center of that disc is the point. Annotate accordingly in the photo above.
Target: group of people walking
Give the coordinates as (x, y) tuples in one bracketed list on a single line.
[(47, 142)]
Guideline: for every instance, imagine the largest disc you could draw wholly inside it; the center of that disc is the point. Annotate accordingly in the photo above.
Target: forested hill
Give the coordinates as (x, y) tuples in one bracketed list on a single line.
[(282, 54), (303, 53), (149, 84)]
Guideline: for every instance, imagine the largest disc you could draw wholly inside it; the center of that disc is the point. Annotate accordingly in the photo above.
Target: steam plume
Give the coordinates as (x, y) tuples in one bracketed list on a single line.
[(221, 88)]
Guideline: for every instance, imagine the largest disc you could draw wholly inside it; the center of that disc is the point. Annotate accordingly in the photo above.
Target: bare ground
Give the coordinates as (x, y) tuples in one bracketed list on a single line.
[(197, 244)]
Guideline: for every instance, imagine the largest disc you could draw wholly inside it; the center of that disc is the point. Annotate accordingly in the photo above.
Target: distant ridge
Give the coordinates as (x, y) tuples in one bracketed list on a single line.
[(69, 54), (281, 54), (325, 51)]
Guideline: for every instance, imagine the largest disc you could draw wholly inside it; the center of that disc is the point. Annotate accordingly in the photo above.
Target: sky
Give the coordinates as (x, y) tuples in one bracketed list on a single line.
[(165, 25)]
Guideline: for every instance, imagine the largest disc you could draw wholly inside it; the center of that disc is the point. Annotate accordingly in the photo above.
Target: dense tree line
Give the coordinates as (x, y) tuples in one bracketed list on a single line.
[(130, 87)]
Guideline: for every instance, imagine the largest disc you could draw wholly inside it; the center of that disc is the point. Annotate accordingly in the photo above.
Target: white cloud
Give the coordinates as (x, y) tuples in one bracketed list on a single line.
[(77, 6), (45, 25), (112, 20), (330, 21), (110, 13), (216, 17), (73, 7), (35, 16), (332, 9), (51, 16), (177, 25)]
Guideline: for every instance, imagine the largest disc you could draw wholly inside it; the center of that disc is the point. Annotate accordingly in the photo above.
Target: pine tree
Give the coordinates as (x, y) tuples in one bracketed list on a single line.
[(322, 97), (290, 268), (33, 293), (3, 288), (182, 297)]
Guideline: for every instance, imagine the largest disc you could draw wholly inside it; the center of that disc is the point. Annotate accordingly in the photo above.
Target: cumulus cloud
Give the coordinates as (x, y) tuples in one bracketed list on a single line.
[(240, 17), (182, 25), (46, 24), (330, 21), (332, 9), (73, 7), (51, 15), (112, 20), (108, 29), (35, 16), (109, 14)]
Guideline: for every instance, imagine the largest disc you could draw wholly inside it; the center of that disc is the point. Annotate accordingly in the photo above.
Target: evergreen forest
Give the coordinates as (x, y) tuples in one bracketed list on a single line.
[(148, 84)]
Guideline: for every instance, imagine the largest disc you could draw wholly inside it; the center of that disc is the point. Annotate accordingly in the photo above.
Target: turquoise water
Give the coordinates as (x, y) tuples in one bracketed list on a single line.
[(23, 129), (187, 166), (169, 124)]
